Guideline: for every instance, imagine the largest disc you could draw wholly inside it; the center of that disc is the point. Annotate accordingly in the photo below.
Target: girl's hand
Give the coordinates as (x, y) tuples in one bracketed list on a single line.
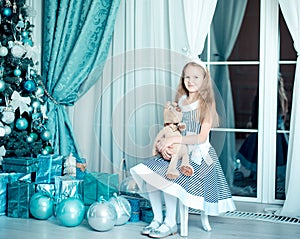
[(167, 154), (165, 147), (163, 144)]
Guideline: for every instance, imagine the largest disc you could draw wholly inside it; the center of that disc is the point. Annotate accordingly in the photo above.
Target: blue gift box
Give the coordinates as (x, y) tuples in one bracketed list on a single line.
[(18, 199), (135, 209), (80, 168), (97, 184), (68, 186), (46, 188), (49, 167), (6, 178), (20, 164)]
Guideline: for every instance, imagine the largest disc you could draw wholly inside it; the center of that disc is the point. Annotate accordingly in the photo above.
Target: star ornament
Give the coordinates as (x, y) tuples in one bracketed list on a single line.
[(17, 101)]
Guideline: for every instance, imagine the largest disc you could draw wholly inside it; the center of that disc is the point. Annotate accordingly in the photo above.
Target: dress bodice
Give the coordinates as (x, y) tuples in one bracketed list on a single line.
[(191, 115)]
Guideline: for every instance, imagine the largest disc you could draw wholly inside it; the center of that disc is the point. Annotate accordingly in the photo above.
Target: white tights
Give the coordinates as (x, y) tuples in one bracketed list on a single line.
[(155, 197)]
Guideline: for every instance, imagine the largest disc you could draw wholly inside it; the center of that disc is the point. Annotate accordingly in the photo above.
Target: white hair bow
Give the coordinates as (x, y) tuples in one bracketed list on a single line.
[(194, 57)]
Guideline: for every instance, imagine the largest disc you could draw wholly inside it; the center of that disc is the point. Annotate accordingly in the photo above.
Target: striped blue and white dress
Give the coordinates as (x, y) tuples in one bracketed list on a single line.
[(206, 190)]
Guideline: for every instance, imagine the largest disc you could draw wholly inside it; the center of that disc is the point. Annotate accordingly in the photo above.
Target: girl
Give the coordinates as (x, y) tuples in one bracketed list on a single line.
[(206, 188)]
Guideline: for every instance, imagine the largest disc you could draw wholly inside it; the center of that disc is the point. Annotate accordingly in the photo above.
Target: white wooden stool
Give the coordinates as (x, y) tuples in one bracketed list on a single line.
[(184, 218)]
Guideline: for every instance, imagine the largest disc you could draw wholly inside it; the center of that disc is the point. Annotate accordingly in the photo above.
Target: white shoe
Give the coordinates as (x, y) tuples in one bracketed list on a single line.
[(152, 226), (160, 232)]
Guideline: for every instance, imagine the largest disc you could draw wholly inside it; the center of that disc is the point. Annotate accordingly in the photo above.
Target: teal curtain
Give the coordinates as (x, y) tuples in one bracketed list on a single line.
[(76, 41)]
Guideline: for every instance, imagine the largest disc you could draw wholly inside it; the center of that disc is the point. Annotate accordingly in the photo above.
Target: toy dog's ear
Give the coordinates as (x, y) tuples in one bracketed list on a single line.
[(181, 127)]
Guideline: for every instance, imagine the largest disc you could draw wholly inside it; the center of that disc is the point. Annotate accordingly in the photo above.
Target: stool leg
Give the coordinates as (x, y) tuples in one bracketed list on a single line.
[(205, 222), (184, 217)]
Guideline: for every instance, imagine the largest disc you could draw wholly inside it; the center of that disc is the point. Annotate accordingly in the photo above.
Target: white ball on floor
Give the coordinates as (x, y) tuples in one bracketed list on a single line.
[(102, 216), (123, 209)]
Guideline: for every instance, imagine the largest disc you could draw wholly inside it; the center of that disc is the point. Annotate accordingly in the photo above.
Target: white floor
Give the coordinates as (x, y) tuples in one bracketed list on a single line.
[(222, 227)]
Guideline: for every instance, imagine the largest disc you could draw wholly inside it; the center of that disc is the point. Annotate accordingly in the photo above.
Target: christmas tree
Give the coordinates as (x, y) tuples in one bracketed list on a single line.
[(23, 120)]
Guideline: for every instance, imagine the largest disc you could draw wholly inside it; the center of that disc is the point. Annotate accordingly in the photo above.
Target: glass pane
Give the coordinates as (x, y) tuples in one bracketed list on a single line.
[(287, 51), (244, 84), (237, 94), (287, 73), (246, 46), (281, 160), (284, 104), (237, 103), (245, 180)]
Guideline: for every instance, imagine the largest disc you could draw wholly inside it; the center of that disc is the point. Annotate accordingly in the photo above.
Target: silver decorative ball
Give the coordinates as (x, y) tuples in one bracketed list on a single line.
[(129, 187), (36, 104), (3, 51), (2, 85), (18, 50), (39, 92), (7, 129), (102, 216), (122, 207), (2, 131), (8, 116)]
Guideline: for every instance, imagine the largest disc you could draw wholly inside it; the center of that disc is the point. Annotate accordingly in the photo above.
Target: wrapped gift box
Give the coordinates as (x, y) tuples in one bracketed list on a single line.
[(18, 198), (140, 209), (97, 184), (68, 186), (46, 188), (135, 209), (3, 192), (146, 215), (49, 167), (80, 168), (20, 164), (6, 178)]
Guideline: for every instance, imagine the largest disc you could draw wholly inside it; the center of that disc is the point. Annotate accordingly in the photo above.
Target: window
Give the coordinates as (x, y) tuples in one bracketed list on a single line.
[(251, 157)]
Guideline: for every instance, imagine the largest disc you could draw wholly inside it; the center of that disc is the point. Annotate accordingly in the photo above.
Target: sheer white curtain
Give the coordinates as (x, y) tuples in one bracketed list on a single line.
[(121, 115), (291, 13), (198, 16)]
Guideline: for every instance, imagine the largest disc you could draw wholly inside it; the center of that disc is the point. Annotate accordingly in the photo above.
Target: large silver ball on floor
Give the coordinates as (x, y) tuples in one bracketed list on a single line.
[(102, 215), (122, 207)]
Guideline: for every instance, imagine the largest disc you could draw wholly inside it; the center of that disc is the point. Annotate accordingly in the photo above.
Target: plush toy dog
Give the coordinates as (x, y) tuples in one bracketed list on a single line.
[(173, 127)]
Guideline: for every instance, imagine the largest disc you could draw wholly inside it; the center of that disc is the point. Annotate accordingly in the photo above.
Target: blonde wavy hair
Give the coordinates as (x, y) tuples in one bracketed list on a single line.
[(207, 106)]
